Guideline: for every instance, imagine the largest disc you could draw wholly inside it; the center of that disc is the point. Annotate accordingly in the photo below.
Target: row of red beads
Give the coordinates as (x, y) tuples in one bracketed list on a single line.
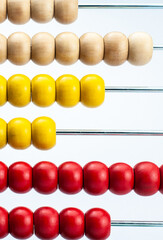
[(71, 223), (96, 178)]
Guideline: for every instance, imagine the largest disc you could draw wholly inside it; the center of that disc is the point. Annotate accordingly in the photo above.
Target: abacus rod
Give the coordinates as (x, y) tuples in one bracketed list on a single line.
[(158, 47), (120, 6), (134, 89), (117, 223)]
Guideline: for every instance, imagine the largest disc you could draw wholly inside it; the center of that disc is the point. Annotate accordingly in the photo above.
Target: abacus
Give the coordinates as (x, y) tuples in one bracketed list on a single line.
[(48, 178)]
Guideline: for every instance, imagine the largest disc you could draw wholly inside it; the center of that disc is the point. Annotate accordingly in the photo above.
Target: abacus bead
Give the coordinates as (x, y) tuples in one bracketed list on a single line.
[(21, 223), (45, 177), (116, 48), (67, 90), (91, 48), (19, 90), (20, 177), (3, 133), (147, 178), (97, 224), (46, 221), (19, 48), (67, 48), (18, 11), (3, 223), (121, 178), (71, 223), (96, 178), (43, 90), (3, 48), (92, 90), (3, 177), (43, 133), (19, 133), (140, 48), (66, 11), (70, 177), (42, 11), (161, 179), (3, 91), (3, 10), (43, 48)]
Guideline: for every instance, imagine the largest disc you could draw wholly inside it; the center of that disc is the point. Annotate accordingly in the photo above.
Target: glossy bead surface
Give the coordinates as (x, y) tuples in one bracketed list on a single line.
[(21, 223), (19, 133), (71, 223), (3, 91), (97, 224), (92, 90), (3, 49), (19, 48), (18, 11), (19, 90), (116, 48), (42, 11), (3, 223), (147, 178), (91, 48), (70, 177), (3, 177), (121, 178), (43, 48), (46, 221), (67, 48), (161, 179), (3, 133), (66, 11), (96, 178), (43, 133), (45, 177), (43, 90), (3, 10), (20, 177), (140, 48), (67, 90)]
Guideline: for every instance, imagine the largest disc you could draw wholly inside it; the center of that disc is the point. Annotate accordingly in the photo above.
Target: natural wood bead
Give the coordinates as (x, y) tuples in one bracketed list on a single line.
[(140, 48), (19, 48), (66, 11), (42, 11), (43, 48), (91, 48), (3, 10), (67, 48), (116, 48), (3, 48), (18, 11)]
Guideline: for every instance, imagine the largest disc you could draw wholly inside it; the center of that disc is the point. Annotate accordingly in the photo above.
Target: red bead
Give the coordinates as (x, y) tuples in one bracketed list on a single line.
[(46, 221), (121, 178), (71, 223), (3, 223), (161, 179), (70, 177), (20, 177), (3, 177), (21, 223), (97, 224), (147, 178), (45, 177), (96, 178)]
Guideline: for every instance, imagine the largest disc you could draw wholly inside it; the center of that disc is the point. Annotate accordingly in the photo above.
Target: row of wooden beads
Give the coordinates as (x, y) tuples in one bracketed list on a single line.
[(20, 11), (67, 48), (95, 178), (68, 91)]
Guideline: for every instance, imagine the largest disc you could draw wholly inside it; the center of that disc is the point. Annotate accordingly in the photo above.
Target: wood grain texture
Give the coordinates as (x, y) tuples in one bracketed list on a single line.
[(3, 10), (42, 11), (3, 48), (18, 11)]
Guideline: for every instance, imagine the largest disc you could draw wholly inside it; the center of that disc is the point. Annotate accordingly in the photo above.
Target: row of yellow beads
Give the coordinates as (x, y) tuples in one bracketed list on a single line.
[(67, 90), (20, 133)]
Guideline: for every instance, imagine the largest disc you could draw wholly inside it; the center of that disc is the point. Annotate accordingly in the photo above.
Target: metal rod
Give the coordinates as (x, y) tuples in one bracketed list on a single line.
[(137, 223), (158, 47), (135, 89), (121, 6)]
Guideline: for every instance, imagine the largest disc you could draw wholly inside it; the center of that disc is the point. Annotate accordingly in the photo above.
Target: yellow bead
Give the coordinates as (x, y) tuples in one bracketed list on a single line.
[(19, 90), (3, 91), (43, 90), (19, 133), (3, 133), (43, 133), (92, 90), (67, 90)]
